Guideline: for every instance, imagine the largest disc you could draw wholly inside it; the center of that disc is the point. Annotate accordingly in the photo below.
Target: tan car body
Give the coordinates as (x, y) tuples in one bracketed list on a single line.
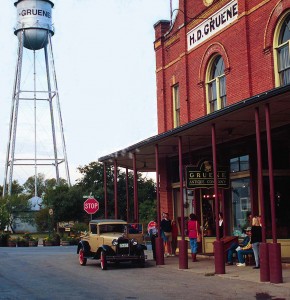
[(98, 243)]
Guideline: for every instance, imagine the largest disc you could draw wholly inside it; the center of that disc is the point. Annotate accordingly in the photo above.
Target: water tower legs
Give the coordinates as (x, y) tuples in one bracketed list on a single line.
[(50, 95)]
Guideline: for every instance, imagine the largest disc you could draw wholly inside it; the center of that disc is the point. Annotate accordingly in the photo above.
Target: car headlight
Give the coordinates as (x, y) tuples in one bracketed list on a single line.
[(134, 242), (115, 242)]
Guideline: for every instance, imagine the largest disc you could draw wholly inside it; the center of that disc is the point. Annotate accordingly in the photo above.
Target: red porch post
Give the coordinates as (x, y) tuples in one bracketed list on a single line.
[(183, 244), (219, 258), (264, 256), (158, 241), (127, 195), (116, 188), (275, 263), (105, 191), (136, 213)]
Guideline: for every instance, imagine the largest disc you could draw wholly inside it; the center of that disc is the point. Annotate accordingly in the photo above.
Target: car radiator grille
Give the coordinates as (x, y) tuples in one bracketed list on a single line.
[(123, 247)]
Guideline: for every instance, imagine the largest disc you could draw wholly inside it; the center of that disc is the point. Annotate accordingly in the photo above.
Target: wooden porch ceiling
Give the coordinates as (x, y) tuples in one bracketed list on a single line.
[(233, 122)]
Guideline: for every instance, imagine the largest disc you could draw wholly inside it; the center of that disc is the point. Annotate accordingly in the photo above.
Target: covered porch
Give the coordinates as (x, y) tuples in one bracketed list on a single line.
[(263, 120)]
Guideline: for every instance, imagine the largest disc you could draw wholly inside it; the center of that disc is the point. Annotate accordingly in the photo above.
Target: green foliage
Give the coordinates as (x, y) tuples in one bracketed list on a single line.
[(67, 202), (93, 182), (12, 207), (42, 184), (29, 185), (4, 214), (4, 237), (147, 211), (41, 220), (79, 227)]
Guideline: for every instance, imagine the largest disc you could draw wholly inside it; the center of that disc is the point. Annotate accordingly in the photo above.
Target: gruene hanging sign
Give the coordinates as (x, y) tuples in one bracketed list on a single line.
[(202, 176)]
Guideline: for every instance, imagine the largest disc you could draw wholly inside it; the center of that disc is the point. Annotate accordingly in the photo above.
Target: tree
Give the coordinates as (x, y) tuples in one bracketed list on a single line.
[(147, 211), (41, 220), (17, 189), (4, 214), (51, 183), (12, 208), (29, 185), (66, 202), (93, 182)]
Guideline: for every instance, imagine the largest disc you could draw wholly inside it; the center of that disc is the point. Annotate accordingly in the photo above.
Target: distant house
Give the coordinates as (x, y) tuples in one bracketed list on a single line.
[(20, 225)]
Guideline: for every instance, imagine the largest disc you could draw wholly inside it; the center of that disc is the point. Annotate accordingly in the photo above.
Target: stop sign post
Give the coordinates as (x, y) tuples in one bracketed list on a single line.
[(91, 206)]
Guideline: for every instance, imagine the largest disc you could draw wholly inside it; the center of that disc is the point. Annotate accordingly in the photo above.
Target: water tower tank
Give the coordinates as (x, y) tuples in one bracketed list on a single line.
[(34, 18)]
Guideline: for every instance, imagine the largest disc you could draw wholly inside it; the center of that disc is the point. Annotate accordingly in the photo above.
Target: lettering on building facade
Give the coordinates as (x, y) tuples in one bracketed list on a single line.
[(212, 25), (202, 176)]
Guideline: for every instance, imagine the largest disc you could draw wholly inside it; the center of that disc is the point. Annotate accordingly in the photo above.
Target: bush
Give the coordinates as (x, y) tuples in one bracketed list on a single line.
[(55, 239), (4, 237), (79, 227)]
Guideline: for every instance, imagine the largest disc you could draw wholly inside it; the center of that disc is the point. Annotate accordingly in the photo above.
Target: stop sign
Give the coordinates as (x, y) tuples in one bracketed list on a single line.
[(91, 206)]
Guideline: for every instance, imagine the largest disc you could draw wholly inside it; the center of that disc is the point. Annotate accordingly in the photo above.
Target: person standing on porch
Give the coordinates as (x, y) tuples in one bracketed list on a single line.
[(256, 239), (193, 231), (221, 224), (167, 237), (174, 237), (153, 233)]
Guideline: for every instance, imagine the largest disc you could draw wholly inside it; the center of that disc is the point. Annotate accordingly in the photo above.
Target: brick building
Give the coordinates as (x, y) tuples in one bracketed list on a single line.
[(223, 101)]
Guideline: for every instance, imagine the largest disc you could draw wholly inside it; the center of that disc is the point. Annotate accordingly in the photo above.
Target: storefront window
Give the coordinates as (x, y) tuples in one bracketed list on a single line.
[(240, 163), (208, 214), (241, 205)]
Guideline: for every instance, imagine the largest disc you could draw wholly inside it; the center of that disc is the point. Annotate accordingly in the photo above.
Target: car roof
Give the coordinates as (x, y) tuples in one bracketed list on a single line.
[(106, 221)]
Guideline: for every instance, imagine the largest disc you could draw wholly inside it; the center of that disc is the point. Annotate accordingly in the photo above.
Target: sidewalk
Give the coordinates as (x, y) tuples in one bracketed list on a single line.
[(205, 266)]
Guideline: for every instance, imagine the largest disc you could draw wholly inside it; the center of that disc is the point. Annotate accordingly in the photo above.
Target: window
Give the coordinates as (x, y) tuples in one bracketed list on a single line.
[(216, 85), (94, 229), (281, 43), (241, 205), (176, 106), (239, 164)]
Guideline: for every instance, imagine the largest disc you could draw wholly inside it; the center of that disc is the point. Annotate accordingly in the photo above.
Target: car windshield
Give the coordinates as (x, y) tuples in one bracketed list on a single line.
[(112, 228)]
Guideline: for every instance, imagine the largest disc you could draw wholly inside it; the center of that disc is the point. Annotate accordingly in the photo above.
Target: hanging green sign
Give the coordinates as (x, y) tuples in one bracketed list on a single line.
[(202, 176)]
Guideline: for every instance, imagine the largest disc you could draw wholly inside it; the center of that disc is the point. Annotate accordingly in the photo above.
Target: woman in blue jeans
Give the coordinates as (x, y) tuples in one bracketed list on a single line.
[(256, 240), (193, 231)]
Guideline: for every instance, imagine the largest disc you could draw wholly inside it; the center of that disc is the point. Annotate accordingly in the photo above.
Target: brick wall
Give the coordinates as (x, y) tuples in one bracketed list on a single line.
[(250, 66), (246, 46)]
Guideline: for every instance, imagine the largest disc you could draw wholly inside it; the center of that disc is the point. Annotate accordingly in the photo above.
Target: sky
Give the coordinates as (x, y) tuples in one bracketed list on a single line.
[(105, 68)]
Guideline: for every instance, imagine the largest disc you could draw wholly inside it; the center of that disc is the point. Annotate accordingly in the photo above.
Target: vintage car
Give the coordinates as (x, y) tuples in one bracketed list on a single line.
[(112, 241)]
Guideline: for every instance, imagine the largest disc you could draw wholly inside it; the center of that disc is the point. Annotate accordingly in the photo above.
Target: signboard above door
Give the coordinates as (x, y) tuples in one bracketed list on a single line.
[(202, 176)]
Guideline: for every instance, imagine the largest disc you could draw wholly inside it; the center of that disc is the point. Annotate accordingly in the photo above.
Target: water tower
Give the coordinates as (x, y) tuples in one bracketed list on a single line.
[(35, 121)]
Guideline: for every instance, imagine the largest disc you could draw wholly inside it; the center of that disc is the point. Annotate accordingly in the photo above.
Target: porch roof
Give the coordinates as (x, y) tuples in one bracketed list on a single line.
[(232, 122)]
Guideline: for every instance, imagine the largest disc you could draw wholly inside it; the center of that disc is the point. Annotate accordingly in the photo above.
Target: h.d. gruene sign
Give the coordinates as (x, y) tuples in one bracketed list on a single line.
[(202, 176)]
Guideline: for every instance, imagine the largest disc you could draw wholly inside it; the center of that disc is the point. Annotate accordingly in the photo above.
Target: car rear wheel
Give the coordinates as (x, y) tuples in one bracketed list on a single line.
[(82, 259), (103, 261)]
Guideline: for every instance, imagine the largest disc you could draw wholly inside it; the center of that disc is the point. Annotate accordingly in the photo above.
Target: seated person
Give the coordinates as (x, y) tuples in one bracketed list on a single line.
[(133, 228), (234, 246)]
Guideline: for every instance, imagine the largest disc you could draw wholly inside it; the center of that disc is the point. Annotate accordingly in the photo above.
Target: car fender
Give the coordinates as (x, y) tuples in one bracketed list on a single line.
[(107, 249), (85, 245), (141, 247)]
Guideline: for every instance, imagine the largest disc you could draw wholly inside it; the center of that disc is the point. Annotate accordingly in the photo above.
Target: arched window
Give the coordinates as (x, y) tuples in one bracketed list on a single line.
[(216, 85), (282, 52)]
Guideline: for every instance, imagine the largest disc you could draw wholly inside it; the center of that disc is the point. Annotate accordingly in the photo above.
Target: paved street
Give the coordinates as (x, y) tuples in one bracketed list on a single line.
[(54, 273)]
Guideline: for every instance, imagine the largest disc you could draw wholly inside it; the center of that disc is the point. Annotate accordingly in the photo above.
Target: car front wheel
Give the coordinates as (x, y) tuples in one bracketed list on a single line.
[(103, 261), (82, 258)]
